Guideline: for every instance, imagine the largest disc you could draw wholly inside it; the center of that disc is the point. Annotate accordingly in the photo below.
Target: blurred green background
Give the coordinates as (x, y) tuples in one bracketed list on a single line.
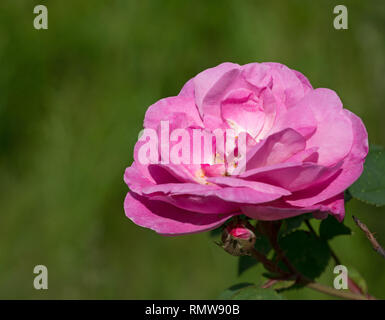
[(72, 101)]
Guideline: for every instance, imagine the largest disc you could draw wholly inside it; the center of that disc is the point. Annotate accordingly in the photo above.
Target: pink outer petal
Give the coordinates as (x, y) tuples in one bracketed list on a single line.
[(188, 89), (275, 149), (292, 176), (245, 195), (180, 111), (270, 213), (160, 174), (181, 172), (289, 86), (334, 206), (181, 188), (135, 180), (258, 186), (286, 85), (280, 210), (257, 74), (305, 82), (167, 219), (200, 204), (334, 136), (351, 169), (212, 84), (227, 194)]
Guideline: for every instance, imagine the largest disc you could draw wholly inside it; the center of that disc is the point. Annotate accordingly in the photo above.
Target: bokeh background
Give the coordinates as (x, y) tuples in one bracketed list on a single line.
[(72, 101)]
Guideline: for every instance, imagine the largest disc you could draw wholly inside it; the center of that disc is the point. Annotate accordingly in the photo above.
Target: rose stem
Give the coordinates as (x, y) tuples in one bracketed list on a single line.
[(304, 280), (376, 246)]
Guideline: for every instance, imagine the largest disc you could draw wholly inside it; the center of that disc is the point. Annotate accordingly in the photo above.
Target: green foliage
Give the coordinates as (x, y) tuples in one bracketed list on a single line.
[(228, 293), (330, 228), (370, 187), (289, 225), (245, 263), (248, 291), (262, 244), (308, 253)]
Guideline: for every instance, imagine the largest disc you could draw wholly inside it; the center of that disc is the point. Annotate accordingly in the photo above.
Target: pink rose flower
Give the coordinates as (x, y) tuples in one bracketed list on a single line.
[(303, 149)]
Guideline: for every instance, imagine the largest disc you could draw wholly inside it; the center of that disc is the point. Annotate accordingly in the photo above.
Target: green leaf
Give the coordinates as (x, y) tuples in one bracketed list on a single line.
[(262, 244), (330, 228), (290, 224), (308, 253), (247, 291), (228, 293), (370, 187), (245, 263)]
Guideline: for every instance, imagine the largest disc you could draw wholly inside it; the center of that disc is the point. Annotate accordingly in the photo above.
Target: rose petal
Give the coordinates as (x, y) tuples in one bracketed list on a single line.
[(282, 210), (275, 149), (300, 118), (258, 186), (228, 194), (308, 155), (167, 219), (180, 111), (188, 89), (212, 84), (243, 111), (292, 176), (334, 136), (135, 180), (350, 171)]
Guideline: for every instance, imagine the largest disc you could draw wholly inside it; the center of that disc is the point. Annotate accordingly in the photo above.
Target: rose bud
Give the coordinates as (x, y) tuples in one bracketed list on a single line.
[(237, 239)]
